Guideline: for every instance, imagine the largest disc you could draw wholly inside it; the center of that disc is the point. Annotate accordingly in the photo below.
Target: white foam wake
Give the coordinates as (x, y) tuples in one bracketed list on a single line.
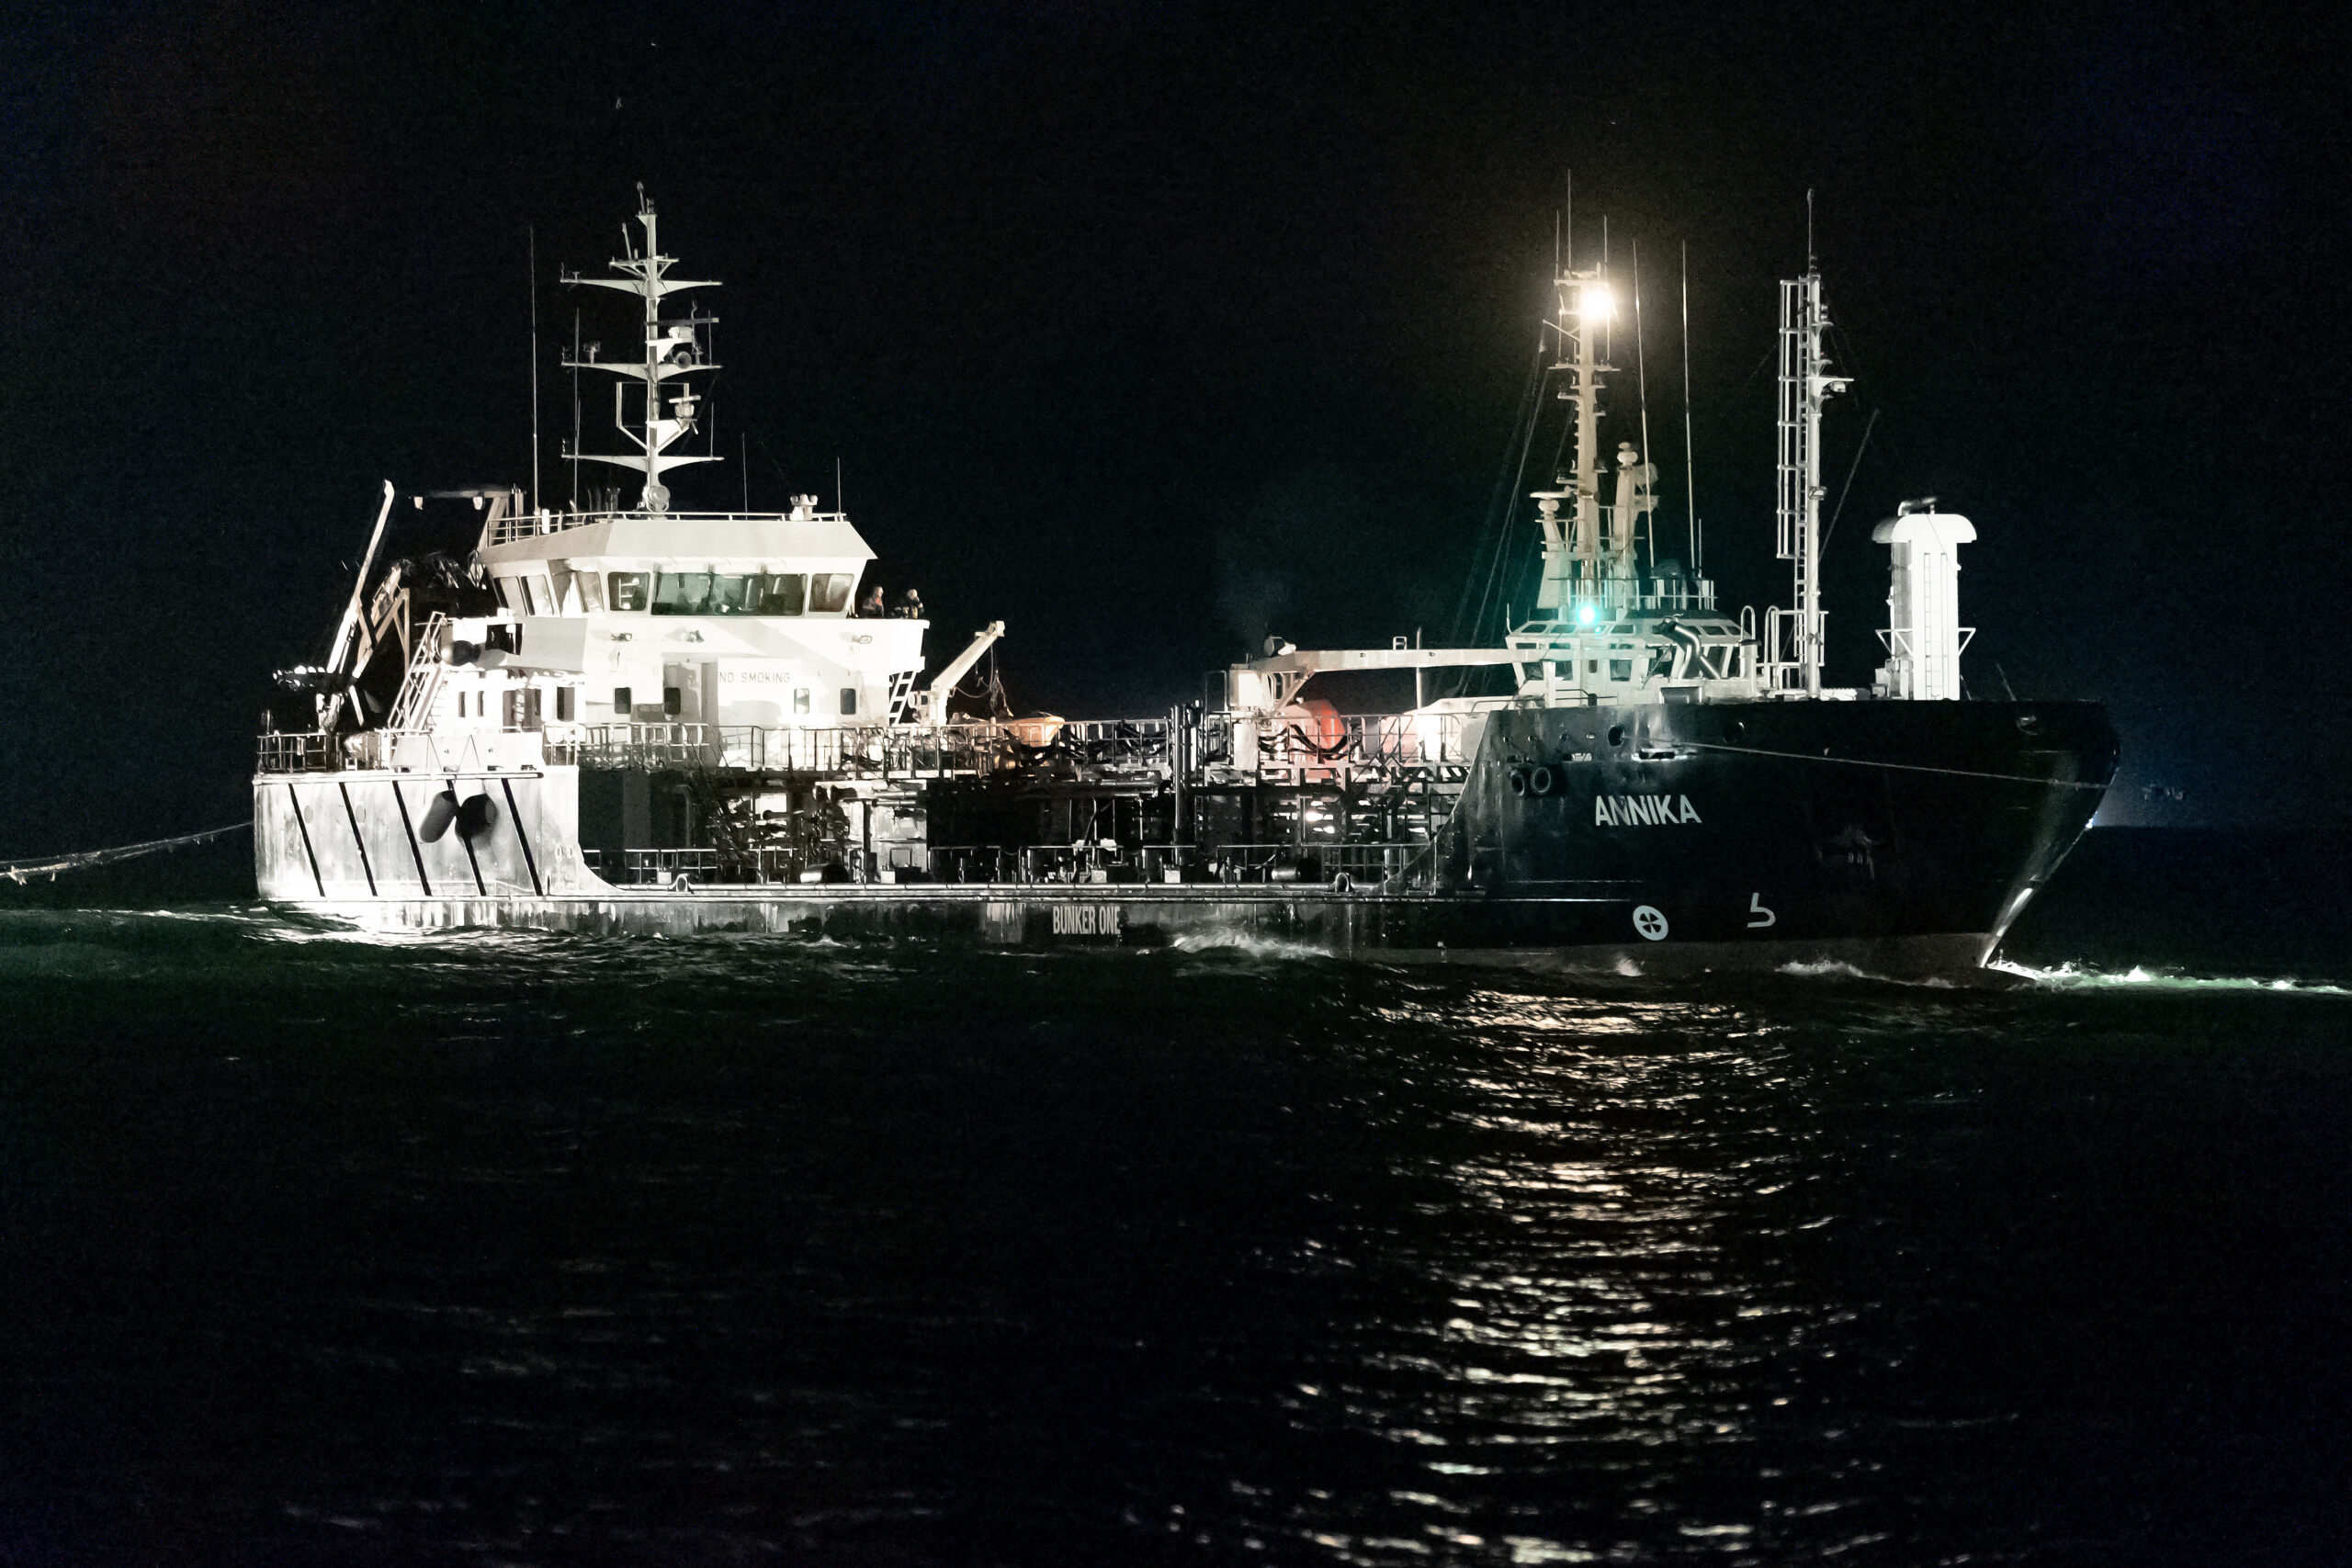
[(2091, 976)]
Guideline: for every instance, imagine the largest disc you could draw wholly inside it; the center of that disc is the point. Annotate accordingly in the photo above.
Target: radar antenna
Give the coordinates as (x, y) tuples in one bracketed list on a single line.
[(672, 349)]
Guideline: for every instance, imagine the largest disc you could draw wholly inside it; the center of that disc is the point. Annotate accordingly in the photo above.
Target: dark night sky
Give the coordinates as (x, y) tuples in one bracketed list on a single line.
[(1150, 329)]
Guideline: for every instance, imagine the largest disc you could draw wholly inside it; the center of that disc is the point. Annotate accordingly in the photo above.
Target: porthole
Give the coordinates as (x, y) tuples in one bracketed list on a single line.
[(1616, 735)]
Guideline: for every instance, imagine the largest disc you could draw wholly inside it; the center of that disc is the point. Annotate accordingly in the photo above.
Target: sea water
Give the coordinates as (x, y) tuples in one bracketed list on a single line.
[(508, 1248)]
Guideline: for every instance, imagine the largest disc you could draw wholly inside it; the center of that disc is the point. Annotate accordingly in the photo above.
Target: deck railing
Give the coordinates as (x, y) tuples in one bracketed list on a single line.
[(1369, 867), (514, 526), (1288, 748), (297, 754)]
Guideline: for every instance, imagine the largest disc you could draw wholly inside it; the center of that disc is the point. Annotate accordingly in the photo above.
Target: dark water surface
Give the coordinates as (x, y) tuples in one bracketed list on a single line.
[(493, 1248)]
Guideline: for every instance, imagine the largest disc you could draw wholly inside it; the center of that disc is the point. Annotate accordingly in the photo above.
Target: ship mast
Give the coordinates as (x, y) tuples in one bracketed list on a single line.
[(1805, 384), (1585, 299), (672, 349), (1574, 546)]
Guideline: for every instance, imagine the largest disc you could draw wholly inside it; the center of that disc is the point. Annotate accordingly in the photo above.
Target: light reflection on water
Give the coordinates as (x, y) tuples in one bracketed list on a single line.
[(1601, 1294), (491, 1244)]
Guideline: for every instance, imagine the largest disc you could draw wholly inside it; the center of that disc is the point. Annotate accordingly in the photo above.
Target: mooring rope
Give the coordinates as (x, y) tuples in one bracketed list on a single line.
[(1899, 767), (19, 871)]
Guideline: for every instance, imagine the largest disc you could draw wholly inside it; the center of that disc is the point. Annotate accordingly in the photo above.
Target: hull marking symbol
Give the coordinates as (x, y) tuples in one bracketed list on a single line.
[(1649, 922), (1764, 917)]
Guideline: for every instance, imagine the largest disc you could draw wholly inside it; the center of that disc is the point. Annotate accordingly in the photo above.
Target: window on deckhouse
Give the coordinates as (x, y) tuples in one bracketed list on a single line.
[(829, 592), (784, 594)]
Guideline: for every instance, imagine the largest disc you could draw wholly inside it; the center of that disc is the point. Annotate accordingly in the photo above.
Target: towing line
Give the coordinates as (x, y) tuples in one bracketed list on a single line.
[(20, 871)]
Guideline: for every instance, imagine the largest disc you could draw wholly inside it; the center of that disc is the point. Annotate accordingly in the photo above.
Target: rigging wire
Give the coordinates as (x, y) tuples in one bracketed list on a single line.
[(1503, 567), (1849, 485), (1493, 534)]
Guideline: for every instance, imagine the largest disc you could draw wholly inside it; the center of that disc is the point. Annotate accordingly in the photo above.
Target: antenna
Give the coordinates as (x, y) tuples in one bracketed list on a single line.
[(1810, 263), (576, 409), (1608, 322), (1642, 396), (743, 451), (1689, 489), (1568, 184), (533, 247), (840, 502)]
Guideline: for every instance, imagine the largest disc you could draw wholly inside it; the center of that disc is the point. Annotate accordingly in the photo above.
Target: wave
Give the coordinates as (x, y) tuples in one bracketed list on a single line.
[(2091, 976)]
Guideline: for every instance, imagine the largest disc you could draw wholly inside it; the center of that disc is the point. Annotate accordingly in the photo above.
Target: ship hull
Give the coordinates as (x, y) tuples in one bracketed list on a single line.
[(1896, 838), (1568, 936)]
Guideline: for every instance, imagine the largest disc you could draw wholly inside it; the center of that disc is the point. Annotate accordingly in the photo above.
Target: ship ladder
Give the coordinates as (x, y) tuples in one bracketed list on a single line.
[(422, 682), (902, 685)]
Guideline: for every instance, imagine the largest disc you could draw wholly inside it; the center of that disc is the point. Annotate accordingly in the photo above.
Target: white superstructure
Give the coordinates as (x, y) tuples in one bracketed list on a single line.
[(643, 614)]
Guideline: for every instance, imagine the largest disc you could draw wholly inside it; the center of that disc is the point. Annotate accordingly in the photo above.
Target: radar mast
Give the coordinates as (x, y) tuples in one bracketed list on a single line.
[(673, 347)]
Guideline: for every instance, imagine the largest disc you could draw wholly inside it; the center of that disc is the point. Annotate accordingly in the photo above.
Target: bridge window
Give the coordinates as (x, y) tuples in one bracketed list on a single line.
[(1621, 668), (783, 594), (690, 593), (627, 588), (849, 701), (620, 701), (749, 594)]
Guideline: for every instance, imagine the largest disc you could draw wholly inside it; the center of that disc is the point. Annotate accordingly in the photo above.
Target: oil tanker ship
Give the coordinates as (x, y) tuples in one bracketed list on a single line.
[(619, 716)]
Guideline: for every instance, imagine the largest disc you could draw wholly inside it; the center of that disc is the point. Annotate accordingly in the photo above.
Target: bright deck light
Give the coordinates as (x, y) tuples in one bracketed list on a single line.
[(1584, 616), (1595, 302)]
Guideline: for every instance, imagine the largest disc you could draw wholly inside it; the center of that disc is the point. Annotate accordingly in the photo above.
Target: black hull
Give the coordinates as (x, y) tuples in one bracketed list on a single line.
[(1804, 823)]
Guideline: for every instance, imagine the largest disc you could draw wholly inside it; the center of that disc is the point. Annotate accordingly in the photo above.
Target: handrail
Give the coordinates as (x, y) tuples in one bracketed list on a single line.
[(1303, 748), (1392, 866), (516, 527), (298, 752)]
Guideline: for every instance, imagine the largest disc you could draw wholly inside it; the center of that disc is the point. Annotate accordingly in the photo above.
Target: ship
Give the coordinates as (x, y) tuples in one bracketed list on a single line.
[(617, 715)]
